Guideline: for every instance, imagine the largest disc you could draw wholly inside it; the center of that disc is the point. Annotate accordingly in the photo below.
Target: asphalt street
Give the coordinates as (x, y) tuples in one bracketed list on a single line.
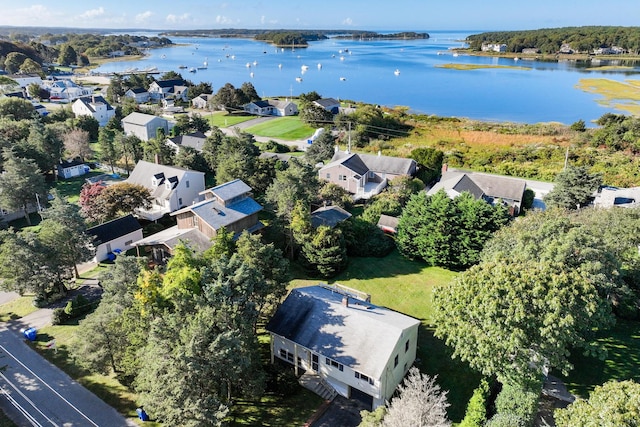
[(36, 393)]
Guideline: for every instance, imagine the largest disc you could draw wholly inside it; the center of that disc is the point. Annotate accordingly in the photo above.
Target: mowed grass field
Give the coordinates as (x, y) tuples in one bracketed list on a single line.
[(222, 119), (287, 128)]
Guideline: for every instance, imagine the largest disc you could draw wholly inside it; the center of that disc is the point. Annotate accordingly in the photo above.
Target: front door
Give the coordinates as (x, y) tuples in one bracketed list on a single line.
[(314, 362)]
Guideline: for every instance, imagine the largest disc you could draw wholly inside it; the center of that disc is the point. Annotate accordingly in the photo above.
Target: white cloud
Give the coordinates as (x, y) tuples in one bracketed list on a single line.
[(223, 20), (92, 13), (262, 19), (173, 19), (347, 21), (143, 17)]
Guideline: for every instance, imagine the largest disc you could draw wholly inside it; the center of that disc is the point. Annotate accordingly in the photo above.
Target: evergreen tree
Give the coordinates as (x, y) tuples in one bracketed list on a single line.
[(21, 184), (573, 188), (325, 252)]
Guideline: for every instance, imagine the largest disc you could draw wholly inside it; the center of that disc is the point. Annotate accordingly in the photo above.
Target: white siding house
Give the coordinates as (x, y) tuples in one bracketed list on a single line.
[(116, 235), (358, 348), (171, 188), (144, 126), (94, 106)]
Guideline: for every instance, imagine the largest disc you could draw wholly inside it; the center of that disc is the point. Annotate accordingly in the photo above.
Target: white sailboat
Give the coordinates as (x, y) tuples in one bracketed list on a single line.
[(397, 72)]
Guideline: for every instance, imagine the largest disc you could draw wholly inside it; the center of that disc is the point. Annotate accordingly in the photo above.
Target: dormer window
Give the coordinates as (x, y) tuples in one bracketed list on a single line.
[(157, 179)]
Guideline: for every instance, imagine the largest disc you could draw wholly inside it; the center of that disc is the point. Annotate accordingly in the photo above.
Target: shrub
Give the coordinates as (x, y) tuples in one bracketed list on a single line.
[(476, 413), (364, 239), (58, 317), (518, 401), (506, 420), (77, 306)]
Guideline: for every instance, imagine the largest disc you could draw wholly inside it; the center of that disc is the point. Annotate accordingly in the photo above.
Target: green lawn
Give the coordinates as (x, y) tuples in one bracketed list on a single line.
[(222, 120), (622, 362), (287, 128), (17, 308)]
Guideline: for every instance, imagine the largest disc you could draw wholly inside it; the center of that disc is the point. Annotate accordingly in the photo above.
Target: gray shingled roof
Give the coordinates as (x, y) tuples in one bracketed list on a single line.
[(194, 140), (329, 216), (144, 171), (170, 237), (92, 100), (480, 185), (362, 163), (327, 102), (362, 336), (231, 189), (388, 221), (113, 229), (218, 216), (139, 118)]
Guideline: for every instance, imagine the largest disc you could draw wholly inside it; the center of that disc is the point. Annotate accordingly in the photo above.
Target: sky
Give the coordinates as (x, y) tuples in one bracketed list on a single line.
[(375, 15)]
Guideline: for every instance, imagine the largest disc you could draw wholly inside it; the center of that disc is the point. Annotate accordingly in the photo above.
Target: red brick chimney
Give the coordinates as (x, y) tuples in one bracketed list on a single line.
[(345, 301)]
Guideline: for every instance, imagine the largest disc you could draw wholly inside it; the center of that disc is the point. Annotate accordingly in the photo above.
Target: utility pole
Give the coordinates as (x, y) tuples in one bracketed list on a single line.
[(349, 139), (566, 158)]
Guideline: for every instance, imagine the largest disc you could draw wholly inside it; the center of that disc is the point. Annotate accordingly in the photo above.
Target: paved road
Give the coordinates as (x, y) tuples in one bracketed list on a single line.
[(35, 392)]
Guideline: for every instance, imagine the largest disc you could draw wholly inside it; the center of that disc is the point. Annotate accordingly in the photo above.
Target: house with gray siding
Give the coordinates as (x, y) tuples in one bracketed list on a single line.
[(144, 126)]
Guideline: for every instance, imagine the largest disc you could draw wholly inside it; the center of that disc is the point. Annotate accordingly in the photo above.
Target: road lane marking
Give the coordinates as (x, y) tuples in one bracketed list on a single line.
[(48, 386), (24, 411)]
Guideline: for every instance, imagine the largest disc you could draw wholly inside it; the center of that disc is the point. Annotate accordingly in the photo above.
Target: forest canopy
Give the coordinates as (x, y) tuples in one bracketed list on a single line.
[(550, 40)]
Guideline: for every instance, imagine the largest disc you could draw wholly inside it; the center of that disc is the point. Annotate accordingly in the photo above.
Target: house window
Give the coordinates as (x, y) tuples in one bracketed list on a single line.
[(364, 377), (186, 184), (372, 174), (342, 177), (180, 201), (328, 176), (335, 364), (128, 242), (284, 354), (395, 361), (406, 346)]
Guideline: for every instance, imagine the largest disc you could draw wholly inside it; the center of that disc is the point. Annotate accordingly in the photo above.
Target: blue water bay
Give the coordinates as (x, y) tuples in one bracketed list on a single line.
[(391, 73)]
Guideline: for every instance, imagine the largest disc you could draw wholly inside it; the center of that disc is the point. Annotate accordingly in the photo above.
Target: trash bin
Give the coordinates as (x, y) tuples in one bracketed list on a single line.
[(142, 414), (30, 334)]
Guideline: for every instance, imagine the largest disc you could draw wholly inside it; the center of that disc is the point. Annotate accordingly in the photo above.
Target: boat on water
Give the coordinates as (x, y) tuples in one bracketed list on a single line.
[(255, 63), (163, 56), (319, 66), (280, 66), (251, 74), (342, 58), (182, 67), (248, 65), (304, 68), (396, 72), (192, 70), (343, 79), (455, 54), (299, 79)]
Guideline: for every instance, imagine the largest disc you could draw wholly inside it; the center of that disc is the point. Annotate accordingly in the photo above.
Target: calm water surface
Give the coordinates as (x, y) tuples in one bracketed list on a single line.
[(364, 70)]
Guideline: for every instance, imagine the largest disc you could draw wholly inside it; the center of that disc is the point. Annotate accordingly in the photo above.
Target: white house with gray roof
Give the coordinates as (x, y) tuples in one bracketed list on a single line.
[(271, 107), (360, 349), (488, 187), (171, 187), (95, 106), (365, 175), (144, 126)]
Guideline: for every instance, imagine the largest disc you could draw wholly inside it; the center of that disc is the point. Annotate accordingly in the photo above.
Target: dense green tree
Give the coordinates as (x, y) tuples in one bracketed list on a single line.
[(21, 184), (14, 61), (89, 124), (496, 317), (230, 98), (615, 403), (236, 158), (190, 158), (448, 232), (68, 55), (296, 184), (321, 149), (249, 92), (316, 116), (23, 263), (573, 188), (309, 97), (199, 89), (333, 194), (429, 162), (109, 152), (384, 203), (364, 239), (46, 145), (325, 251), (29, 66), (223, 245), (132, 151), (182, 279), (271, 265), (211, 147), (62, 231), (16, 108), (476, 413), (600, 243), (116, 89)]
